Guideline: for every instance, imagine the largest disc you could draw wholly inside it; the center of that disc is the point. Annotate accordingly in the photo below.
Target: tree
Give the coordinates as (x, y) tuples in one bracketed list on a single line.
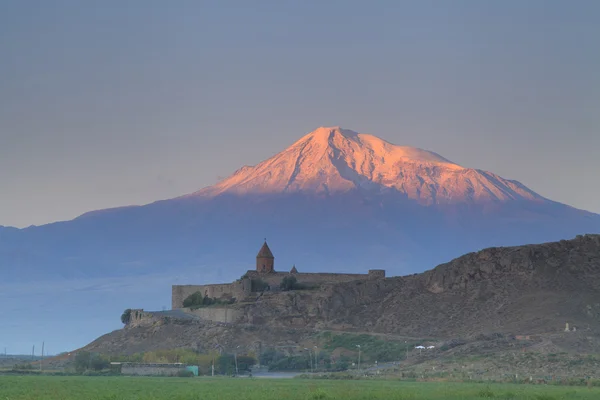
[(194, 299), (245, 362), (258, 285), (225, 364), (126, 316), (85, 361), (288, 283)]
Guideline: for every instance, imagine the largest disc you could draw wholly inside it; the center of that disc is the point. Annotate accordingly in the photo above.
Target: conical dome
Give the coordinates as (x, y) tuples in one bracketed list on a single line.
[(265, 252), (265, 261)]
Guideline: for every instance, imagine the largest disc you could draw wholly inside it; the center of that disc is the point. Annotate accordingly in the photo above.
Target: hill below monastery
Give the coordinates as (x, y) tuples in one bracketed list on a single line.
[(527, 290)]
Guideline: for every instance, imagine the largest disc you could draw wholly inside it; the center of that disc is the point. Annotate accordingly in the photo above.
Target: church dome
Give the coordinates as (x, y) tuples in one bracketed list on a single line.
[(265, 252)]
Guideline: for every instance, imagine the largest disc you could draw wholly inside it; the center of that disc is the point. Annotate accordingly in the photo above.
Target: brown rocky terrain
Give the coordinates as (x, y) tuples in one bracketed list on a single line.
[(521, 290), (476, 304)]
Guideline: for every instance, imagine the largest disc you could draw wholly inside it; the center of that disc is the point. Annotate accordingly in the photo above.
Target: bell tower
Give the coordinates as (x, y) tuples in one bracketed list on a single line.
[(265, 261)]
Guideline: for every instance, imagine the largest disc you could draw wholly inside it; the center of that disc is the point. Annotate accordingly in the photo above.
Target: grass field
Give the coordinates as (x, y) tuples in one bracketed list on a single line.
[(128, 388)]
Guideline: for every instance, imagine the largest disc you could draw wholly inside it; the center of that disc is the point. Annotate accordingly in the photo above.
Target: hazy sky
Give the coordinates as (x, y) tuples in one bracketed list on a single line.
[(125, 102)]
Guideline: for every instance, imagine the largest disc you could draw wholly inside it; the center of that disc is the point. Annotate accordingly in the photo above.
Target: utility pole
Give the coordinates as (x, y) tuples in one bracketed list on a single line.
[(33, 352), (406, 346), (316, 358), (358, 345), (42, 359), (237, 372), (310, 358)]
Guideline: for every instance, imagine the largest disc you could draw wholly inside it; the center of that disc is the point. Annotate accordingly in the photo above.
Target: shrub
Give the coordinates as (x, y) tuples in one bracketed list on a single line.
[(245, 362), (288, 283), (86, 361), (258, 285), (22, 367), (126, 316), (194, 299), (197, 300), (292, 363)]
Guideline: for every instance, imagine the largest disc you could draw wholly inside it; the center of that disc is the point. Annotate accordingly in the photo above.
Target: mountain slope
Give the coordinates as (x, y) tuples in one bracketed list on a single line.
[(334, 199), (333, 160)]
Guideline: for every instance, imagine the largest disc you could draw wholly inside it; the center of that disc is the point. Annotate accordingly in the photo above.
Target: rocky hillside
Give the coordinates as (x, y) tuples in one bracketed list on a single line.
[(520, 290), (525, 290)]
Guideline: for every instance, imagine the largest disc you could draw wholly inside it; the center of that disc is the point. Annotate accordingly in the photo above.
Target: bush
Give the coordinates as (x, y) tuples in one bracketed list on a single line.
[(185, 374), (292, 363), (22, 367), (258, 285), (197, 300), (245, 362), (126, 316), (288, 283), (86, 361), (194, 299)]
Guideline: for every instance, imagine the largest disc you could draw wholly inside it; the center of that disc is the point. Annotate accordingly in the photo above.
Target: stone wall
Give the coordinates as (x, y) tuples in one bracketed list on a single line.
[(317, 278), (139, 317), (242, 288), (217, 314), (239, 289), (151, 369)]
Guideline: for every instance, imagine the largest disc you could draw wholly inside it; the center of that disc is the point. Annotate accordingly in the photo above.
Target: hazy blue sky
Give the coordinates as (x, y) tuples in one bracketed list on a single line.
[(111, 103)]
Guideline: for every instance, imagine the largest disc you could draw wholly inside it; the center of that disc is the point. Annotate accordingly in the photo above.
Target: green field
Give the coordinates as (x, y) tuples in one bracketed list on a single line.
[(127, 388)]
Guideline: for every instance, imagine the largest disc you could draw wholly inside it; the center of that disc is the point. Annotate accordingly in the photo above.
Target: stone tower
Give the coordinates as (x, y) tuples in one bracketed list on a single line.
[(265, 262)]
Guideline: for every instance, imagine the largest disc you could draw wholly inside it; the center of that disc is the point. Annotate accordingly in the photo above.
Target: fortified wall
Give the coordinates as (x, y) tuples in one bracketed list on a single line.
[(264, 272), (140, 317), (239, 290), (316, 278)]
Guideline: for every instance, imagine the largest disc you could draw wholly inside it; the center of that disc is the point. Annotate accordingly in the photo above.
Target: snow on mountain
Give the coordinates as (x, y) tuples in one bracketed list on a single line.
[(333, 160)]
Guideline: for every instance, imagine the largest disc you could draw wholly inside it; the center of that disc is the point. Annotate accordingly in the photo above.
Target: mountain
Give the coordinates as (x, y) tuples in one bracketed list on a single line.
[(329, 161), (335, 200)]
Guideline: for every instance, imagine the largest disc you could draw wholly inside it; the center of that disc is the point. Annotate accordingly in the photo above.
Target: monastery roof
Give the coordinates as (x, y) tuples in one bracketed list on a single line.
[(265, 252)]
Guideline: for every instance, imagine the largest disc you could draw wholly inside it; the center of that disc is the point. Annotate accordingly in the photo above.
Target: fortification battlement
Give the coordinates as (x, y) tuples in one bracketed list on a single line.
[(266, 274)]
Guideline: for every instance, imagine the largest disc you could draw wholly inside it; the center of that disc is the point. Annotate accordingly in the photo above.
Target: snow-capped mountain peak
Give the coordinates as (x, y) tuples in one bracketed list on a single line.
[(332, 160)]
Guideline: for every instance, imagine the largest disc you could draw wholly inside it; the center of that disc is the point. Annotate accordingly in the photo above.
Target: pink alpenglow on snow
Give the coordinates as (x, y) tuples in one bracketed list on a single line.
[(333, 160)]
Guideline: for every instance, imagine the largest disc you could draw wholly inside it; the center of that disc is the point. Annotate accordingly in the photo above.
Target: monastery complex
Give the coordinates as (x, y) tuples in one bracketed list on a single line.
[(263, 277)]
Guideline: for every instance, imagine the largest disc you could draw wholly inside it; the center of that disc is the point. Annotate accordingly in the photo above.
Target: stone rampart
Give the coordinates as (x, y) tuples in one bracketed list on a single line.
[(242, 288), (239, 290), (217, 314), (140, 317), (316, 278)]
